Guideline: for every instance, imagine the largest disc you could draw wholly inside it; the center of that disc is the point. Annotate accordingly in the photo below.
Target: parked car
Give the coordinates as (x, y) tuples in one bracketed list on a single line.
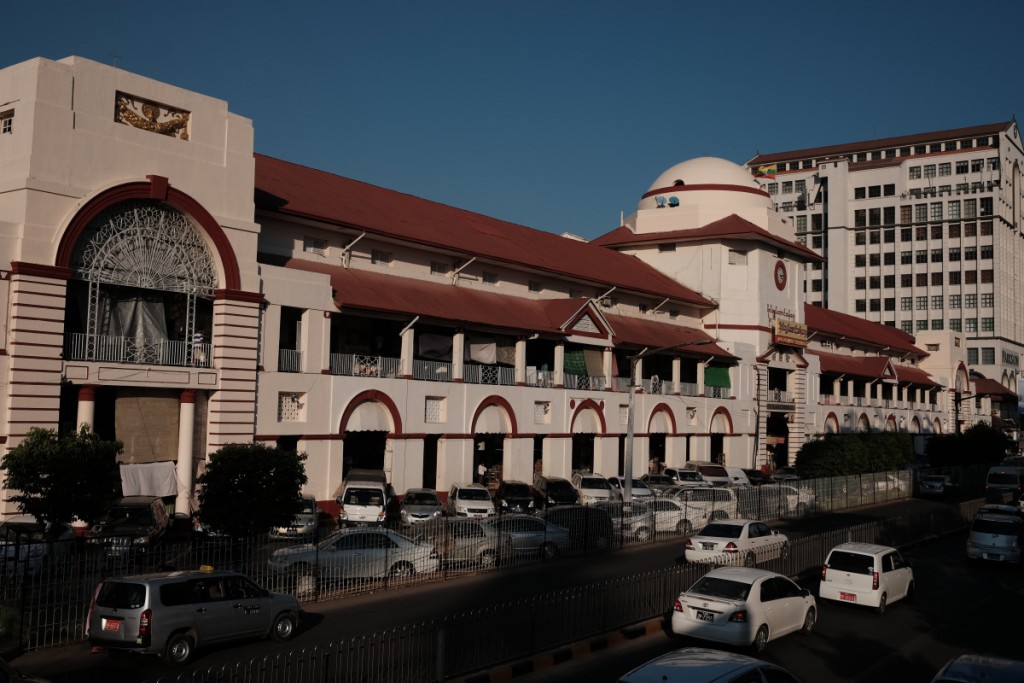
[(996, 534), (366, 499), (713, 473), (359, 552), (736, 541), (784, 474), (172, 613), (743, 606), (1004, 481), (866, 574), (132, 526), (554, 491), (935, 485), (470, 500), (26, 551), (9, 674), (669, 516), (462, 541), (638, 487), (775, 501), (701, 665), (706, 503), (419, 505), (737, 476), (980, 668), (514, 496), (592, 488), (756, 477), (631, 521), (589, 526), (303, 526), (657, 483), (684, 477), (522, 535)]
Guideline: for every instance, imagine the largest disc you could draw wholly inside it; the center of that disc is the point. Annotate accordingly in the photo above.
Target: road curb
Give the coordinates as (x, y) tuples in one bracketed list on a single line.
[(568, 653)]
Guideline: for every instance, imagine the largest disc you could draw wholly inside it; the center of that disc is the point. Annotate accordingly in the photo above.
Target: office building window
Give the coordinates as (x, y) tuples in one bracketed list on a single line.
[(860, 218), (945, 168), (970, 229), (859, 238), (906, 257), (961, 167), (438, 268), (890, 304), (906, 303), (875, 305), (906, 280), (874, 218), (787, 187), (955, 324), (380, 257), (937, 324), (860, 283), (988, 356), (988, 324), (816, 241), (970, 208), (859, 261), (970, 300), (986, 206), (929, 171), (800, 186), (875, 191), (986, 228), (936, 212), (860, 305), (954, 301), (921, 303), (954, 211), (875, 259), (906, 215), (972, 356), (937, 300), (986, 277), (921, 279), (801, 223), (889, 217), (889, 258), (921, 325), (489, 278), (815, 285), (988, 300), (977, 165), (954, 253), (921, 256), (970, 253), (936, 279), (936, 232), (970, 325), (970, 277), (954, 277), (915, 172), (534, 286), (936, 256), (773, 188), (921, 233), (986, 251), (907, 326), (920, 213), (993, 164)]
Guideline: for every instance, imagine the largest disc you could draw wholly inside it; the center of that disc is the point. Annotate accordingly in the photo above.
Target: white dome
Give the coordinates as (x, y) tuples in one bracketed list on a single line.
[(705, 171)]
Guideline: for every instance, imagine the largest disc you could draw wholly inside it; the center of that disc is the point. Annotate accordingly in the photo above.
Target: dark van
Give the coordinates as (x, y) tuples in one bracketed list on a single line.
[(590, 528)]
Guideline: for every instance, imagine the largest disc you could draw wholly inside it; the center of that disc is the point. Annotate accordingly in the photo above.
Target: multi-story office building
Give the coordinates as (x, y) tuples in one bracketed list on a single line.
[(167, 287), (922, 232)]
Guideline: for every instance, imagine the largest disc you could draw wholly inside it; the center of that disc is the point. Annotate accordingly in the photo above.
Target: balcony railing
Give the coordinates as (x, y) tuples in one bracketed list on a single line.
[(829, 400), (135, 350), (656, 385), (289, 360), (489, 374), (354, 365), (432, 370), (585, 382), (717, 392), (688, 389), (780, 396)]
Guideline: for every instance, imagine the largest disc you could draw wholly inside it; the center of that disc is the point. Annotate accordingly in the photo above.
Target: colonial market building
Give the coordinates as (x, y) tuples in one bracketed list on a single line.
[(169, 287)]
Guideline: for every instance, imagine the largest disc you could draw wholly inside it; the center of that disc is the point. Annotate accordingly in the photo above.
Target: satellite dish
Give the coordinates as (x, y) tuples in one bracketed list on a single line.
[(673, 201), (660, 202)]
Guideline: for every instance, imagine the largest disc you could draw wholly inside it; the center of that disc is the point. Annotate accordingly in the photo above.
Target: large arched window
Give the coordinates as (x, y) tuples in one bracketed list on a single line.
[(142, 288)]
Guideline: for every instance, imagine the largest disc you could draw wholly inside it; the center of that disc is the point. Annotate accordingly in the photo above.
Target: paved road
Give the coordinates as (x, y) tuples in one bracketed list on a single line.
[(959, 608), (388, 609)]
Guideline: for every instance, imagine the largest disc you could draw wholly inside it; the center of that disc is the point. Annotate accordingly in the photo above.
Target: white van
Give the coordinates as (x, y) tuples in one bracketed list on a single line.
[(716, 475), (367, 498)]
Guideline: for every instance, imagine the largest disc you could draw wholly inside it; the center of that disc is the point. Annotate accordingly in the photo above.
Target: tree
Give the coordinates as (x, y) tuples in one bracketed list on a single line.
[(981, 444), (856, 453), (248, 489), (57, 479)]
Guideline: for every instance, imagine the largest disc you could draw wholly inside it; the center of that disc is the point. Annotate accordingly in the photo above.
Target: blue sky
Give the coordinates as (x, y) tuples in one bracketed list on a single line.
[(555, 115)]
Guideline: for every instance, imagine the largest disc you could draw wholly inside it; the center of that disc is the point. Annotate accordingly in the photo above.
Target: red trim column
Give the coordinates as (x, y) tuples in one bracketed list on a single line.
[(86, 406), (186, 430)]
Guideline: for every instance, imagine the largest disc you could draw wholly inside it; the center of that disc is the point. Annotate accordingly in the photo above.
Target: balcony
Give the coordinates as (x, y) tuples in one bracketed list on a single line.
[(353, 365), (289, 360), (489, 374), (585, 382), (136, 350)]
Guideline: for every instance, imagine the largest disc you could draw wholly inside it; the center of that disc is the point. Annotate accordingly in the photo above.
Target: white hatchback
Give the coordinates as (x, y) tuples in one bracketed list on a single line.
[(742, 606), (866, 574)]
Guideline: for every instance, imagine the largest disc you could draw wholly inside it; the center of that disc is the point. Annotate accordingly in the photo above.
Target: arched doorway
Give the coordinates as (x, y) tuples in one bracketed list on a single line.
[(366, 430), (586, 424), (721, 424), (490, 426), (777, 439)]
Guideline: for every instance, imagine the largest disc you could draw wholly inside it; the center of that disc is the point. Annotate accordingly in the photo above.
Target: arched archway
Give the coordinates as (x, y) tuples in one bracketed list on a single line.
[(493, 420), (660, 424), (863, 423), (587, 423), (831, 424), (890, 423), (719, 426), (367, 421)]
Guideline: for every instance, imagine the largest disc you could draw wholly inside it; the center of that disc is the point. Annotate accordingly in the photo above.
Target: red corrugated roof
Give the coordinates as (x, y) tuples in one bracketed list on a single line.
[(655, 335), (914, 376), (990, 387), (305, 192), (730, 227), (881, 143), (873, 367), (845, 326)]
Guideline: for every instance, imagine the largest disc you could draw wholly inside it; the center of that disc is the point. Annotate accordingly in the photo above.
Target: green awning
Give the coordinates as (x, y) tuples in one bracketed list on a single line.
[(716, 377)]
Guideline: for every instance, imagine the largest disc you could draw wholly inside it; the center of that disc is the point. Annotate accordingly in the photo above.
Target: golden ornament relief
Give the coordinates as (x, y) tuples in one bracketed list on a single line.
[(152, 116)]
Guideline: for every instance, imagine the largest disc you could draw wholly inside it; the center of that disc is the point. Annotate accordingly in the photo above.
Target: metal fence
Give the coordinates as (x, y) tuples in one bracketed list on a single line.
[(47, 605), (442, 649)]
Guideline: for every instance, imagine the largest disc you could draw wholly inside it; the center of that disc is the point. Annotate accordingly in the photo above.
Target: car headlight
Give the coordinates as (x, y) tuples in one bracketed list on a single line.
[(435, 513), (141, 540)]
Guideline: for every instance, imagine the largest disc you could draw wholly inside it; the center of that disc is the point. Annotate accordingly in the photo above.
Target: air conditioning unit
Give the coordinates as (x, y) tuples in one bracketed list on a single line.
[(606, 302)]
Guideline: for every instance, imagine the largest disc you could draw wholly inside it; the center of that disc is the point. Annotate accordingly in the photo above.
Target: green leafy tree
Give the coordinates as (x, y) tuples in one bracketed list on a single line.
[(59, 478), (248, 489), (858, 453), (981, 444)]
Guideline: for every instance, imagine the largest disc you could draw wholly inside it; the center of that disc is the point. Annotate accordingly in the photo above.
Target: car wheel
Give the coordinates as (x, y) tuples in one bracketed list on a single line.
[(178, 649), (881, 604), (402, 569), (284, 626), (548, 551), (809, 620), (488, 558), (760, 640), (684, 528), (750, 560), (642, 535)]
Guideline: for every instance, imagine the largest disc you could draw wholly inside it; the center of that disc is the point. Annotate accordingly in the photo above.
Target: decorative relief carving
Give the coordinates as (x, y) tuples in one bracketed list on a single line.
[(148, 115)]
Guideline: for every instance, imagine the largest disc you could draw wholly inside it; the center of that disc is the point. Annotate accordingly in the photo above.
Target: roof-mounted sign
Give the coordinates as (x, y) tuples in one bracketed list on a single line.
[(789, 333)]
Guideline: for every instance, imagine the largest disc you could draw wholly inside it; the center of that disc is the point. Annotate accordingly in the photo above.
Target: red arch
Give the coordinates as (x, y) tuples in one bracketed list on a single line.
[(157, 188), (501, 403), (589, 403), (662, 408), (371, 396), (728, 418)]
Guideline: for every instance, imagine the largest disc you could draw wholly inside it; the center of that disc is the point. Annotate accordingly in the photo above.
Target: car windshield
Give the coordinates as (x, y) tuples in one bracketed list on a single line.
[(855, 563), (637, 484), (520, 490), (139, 516), (659, 479), (422, 498), (595, 483), (713, 471), (714, 587), (935, 479), (996, 526), (722, 530), (562, 487), (308, 507), (363, 497), (474, 494)]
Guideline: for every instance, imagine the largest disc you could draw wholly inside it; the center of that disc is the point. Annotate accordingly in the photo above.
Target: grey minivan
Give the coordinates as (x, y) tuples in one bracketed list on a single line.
[(171, 613)]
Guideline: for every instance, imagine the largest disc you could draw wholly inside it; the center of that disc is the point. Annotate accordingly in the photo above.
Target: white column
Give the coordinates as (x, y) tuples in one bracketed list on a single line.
[(86, 407), (408, 351), (186, 426), (677, 373), (458, 355), (521, 364), (559, 373), (700, 379), (606, 367)]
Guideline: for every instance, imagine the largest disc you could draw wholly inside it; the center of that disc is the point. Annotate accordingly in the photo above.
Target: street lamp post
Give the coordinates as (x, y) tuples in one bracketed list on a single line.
[(627, 465)]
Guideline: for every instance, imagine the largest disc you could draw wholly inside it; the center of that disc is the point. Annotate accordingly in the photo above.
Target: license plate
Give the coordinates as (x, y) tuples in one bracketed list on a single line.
[(993, 556), (111, 624), (848, 597), (707, 546), (705, 616)]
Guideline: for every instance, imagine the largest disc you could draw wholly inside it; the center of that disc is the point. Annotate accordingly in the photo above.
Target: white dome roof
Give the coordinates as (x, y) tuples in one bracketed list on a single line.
[(705, 171)]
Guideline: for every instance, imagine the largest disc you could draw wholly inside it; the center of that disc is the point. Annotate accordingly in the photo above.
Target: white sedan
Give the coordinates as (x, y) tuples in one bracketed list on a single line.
[(742, 606), (736, 541), (670, 516)]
